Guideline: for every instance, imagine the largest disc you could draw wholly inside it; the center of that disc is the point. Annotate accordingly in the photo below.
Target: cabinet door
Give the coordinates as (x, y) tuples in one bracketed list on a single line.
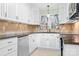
[(3, 9), (71, 50), (34, 40), (11, 10), (63, 13), (34, 15), (0, 10), (37, 39), (8, 46), (44, 41), (54, 41), (23, 12), (31, 43)]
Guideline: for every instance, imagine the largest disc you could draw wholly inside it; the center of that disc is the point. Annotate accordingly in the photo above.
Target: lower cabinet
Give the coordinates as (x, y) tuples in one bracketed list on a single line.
[(27, 44), (50, 41), (43, 40), (71, 50), (32, 43), (8, 47)]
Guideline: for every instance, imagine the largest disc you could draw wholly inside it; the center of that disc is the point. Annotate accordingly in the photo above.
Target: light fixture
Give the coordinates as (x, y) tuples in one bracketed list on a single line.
[(48, 14)]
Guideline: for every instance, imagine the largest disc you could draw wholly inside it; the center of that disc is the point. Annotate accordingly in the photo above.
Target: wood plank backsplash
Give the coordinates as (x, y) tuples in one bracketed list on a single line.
[(66, 28), (12, 26), (76, 27)]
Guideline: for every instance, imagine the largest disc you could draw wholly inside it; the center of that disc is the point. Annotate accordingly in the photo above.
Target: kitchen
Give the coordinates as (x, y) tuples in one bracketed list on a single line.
[(39, 29)]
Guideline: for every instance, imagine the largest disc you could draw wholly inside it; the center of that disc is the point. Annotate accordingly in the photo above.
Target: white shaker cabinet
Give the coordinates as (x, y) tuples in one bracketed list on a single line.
[(54, 41), (71, 50), (32, 43), (43, 40), (8, 11), (3, 10), (0, 9), (8, 46), (11, 10), (35, 15), (63, 13), (23, 12), (20, 12), (50, 41)]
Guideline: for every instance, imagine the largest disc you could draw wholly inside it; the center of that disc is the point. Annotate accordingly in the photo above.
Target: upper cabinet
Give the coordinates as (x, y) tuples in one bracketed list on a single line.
[(11, 10), (63, 13), (35, 15), (20, 12), (3, 10)]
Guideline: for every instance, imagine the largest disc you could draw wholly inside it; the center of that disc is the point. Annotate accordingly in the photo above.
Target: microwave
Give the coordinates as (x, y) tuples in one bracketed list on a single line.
[(74, 10)]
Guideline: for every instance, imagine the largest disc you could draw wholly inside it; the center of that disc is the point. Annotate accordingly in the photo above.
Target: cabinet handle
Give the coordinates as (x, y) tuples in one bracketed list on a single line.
[(33, 40), (10, 42), (17, 17), (57, 37), (5, 14), (46, 39), (10, 49)]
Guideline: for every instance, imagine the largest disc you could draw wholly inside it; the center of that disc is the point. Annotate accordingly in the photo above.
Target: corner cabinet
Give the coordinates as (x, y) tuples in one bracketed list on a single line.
[(63, 13)]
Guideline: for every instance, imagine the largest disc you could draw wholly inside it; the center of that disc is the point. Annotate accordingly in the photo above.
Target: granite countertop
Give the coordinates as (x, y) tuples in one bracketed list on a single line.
[(26, 33), (13, 34), (70, 42), (20, 34), (69, 33)]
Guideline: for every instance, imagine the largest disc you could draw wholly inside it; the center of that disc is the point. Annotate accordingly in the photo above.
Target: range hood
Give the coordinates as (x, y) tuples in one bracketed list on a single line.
[(74, 11)]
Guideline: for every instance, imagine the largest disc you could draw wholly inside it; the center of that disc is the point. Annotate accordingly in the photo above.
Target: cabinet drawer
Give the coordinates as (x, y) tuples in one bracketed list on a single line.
[(8, 50), (7, 42), (14, 53)]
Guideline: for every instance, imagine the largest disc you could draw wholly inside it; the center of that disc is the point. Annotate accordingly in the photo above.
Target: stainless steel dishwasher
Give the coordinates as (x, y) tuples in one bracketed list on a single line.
[(23, 46)]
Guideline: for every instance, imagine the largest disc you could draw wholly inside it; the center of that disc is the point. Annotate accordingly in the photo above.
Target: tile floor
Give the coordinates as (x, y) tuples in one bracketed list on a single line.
[(46, 52)]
